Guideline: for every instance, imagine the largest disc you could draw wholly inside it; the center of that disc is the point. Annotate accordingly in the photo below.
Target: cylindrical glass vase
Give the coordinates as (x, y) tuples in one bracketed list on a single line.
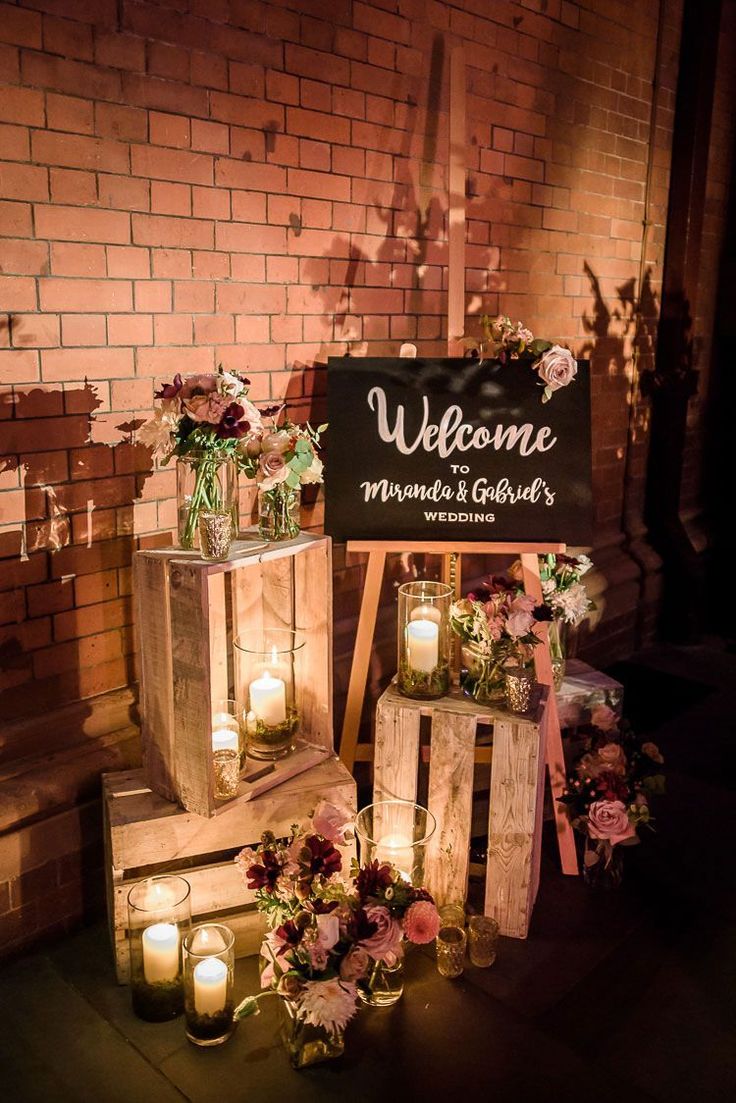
[(209, 963), (305, 1043), (279, 512), (206, 480), (558, 651), (424, 639), (267, 678), (228, 732), (159, 917), (396, 832), (383, 985)]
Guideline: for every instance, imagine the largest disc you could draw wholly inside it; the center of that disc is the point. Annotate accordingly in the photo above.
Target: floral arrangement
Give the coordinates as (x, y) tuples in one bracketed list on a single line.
[(497, 622), (504, 340), (562, 591), (609, 789), (286, 453), (327, 936)]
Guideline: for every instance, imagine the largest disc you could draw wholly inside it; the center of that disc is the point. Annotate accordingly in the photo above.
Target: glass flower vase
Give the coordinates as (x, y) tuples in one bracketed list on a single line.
[(558, 651), (603, 870), (279, 512), (305, 1043), (484, 676), (206, 481), (424, 639), (384, 984)]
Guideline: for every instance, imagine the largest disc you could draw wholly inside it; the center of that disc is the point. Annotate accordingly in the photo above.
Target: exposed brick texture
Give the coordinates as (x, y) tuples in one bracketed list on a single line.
[(264, 184)]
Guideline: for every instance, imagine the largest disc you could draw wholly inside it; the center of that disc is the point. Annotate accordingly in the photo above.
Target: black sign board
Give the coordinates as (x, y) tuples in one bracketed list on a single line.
[(453, 449)]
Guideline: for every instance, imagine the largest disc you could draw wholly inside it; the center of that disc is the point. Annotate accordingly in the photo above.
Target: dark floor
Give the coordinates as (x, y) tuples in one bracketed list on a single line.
[(625, 997)]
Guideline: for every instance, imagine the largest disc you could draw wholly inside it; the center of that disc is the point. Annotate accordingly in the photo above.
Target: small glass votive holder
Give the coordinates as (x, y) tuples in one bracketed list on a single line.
[(215, 533), (450, 945), (452, 914), (227, 729), (209, 963), (397, 833), (519, 686), (159, 917), (424, 639), (482, 940), (227, 774)]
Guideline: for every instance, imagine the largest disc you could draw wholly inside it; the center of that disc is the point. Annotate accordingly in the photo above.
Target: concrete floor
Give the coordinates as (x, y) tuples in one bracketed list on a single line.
[(630, 996)]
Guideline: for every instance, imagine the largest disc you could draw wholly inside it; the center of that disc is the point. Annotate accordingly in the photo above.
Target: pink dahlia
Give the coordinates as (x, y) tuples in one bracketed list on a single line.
[(421, 922)]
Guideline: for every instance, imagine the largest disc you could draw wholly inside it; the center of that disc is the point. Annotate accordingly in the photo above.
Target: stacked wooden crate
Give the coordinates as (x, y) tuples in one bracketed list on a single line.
[(166, 817)]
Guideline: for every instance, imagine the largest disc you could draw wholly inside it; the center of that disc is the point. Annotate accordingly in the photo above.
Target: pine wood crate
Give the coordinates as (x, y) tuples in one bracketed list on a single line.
[(147, 835), (188, 613), (516, 794)]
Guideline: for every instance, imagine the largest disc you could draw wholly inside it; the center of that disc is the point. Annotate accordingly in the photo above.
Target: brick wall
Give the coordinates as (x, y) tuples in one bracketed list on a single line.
[(260, 184)]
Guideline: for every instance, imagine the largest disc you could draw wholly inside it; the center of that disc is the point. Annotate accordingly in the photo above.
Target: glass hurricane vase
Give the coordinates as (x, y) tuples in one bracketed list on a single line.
[(279, 512), (424, 639), (305, 1043), (603, 870), (484, 676), (206, 482)]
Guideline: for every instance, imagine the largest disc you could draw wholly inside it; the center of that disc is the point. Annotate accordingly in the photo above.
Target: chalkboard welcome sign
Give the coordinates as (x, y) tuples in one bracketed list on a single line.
[(453, 449)]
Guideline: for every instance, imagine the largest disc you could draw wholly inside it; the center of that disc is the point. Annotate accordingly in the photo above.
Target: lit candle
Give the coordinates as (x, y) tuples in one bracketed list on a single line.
[(426, 612), (422, 642), (225, 720), (210, 986), (268, 699), (398, 851), (160, 952), (225, 739)]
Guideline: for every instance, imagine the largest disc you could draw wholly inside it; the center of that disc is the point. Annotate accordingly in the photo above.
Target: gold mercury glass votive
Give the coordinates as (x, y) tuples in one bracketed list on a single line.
[(482, 938), (519, 687), (450, 947), (215, 533), (227, 773)]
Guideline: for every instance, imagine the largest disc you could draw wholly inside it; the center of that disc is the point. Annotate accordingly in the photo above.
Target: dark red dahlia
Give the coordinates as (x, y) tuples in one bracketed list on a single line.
[(372, 879), (318, 857)]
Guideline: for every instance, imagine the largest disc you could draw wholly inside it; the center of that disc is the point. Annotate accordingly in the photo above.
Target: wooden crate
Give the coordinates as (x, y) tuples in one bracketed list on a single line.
[(188, 612), (516, 794), (147, 835)]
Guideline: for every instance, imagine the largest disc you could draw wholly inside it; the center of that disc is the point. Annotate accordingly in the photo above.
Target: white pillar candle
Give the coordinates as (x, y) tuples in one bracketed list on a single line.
[(225, 720), (422, 643), (225, 739), (210, 986), (397, 850), (268, 699), (161, 952), (426, 612)]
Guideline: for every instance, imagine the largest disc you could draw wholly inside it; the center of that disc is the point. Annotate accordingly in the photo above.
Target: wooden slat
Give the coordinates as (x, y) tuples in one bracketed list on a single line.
[(217, 640), (151, 588), (362, 653), (397, 751), (246, 596), (313, 667), (451, 801), (433, 547), (513, 828)]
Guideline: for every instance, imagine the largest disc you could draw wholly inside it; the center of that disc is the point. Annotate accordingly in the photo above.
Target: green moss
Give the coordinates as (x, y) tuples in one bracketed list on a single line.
[(421, 685)]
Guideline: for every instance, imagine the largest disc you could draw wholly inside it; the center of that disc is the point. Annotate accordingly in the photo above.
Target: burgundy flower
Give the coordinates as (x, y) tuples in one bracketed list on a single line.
[(372, 879), (269, 411), (611, 786), (170, 390), (319, 857), (360, 927), (289, 935), (542, 612), (266, 874), (233, 423)]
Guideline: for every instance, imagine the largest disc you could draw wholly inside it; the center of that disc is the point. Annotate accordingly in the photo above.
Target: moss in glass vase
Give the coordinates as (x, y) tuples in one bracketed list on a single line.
[(156, 1003), (424, 685), (210, 1029), (271, 740)]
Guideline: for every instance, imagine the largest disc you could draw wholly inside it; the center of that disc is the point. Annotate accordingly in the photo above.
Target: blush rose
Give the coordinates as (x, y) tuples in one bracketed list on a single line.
[(609, 819)]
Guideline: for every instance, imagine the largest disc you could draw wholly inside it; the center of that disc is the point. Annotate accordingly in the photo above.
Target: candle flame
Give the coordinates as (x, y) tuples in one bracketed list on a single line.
[(273, 655)]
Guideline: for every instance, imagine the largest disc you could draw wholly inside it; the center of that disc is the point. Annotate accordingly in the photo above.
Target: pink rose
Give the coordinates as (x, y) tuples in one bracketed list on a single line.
[(651, 750), (421, 922), (273, 470), (519, 624), (355, 964), (604, 719), (198, 384), (328, 930), (207, 409), (384, 944), (609, 819), (612, 757), (556, 368), (331, 822)]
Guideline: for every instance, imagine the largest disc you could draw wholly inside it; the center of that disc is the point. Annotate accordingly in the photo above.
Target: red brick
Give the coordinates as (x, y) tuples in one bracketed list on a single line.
[(14, 143), (75, 624), (320, 185), (94, 461), (250, 175), (77, 260), (131, 394), (250, 206), (71, 186), (169, 198), (172, 329), (163, 95), (69, 113), (17, 293), (23, 181), (169, 130), (22, 105), (9, 64), (130, 329), (91, 588), (243, 111), (247, 80), (315, 64), (163, 363), (70, 39), (128, 261), (248, 268), (167, 61), (80, 152), (120, 51), (317, 124), (77, 295), (19, 366), (213, 329), (211, 203), (64, 75), (83, 329), (50, 597), (209, 70), (238, 237), (154, 295), (77, 224), (20, 27), (171, 264), (15, 218), (210, 137), (244, 298), (210, 266), (116, 121), (125, 192), (35, 330), (282, 88), (78, 363), (182, 233)]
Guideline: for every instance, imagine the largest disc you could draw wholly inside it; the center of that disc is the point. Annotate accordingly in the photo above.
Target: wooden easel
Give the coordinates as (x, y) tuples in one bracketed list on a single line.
[(351, 750)]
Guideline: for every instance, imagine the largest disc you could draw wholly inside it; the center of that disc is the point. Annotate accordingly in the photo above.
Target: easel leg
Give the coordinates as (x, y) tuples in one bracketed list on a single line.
[(555, 756), (362, 656)]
